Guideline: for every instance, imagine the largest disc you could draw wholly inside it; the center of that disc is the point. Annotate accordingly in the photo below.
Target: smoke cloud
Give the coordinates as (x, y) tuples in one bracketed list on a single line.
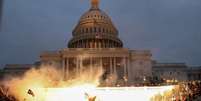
[(47, 76)]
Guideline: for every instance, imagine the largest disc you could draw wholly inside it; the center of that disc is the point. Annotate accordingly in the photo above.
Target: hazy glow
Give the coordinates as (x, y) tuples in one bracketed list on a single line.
[(47, 85), (105, 94)]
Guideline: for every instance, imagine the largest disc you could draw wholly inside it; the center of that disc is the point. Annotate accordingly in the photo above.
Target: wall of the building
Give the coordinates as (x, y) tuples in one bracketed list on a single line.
[(15, 70), (138, 63), (140, 68), (194, 73), (170, 72)]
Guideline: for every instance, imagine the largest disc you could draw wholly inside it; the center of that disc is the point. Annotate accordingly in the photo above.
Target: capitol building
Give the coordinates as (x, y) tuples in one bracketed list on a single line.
[(95, 45)]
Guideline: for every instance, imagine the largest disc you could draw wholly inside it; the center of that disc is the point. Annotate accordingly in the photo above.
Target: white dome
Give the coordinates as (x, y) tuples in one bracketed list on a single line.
[(95, 25)]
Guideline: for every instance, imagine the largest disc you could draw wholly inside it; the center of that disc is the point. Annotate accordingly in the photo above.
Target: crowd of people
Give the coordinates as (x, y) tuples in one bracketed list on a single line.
[(187, 91), (5, 96)]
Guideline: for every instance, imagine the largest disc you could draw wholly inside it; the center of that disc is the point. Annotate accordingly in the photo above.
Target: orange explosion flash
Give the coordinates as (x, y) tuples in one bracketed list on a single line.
[(46, 84)]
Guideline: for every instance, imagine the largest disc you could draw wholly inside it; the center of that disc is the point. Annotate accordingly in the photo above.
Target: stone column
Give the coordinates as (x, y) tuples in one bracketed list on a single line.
[(77, 65), (91, 65), (125, 66), (78, 44), (67, 67), (99, 44), (87, 43), (128, 65), (115, 64), (81, 65), (63, 67), (109, 43), (84, 43), (103, 44), (128, 70), (95, 43), (92, 43), (106, 43), (83, 46), (110, 65), (101, 62)]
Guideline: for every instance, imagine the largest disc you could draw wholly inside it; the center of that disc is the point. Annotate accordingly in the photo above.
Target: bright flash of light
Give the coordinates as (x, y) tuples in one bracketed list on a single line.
[(45, 84), (105, 93)]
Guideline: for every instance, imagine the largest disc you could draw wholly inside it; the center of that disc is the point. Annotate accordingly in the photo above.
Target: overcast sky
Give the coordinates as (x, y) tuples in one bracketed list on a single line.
[(171, 29)]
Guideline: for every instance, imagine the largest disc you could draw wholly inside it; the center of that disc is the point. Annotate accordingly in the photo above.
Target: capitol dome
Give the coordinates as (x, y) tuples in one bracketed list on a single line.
[(95, 30)]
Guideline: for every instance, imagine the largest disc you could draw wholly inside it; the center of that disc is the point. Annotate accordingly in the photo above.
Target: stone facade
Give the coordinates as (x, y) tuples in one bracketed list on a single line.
[(194, 73), (15, 69), (127, 64), (170, 71), (95, 43)]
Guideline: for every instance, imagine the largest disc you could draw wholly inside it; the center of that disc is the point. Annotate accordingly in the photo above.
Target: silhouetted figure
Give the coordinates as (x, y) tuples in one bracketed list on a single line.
[(90, 98), (4, 96), (30, 92)]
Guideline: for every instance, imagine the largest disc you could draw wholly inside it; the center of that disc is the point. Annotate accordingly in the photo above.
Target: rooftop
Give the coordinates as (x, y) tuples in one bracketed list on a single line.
[(169, 65), (19, 66)]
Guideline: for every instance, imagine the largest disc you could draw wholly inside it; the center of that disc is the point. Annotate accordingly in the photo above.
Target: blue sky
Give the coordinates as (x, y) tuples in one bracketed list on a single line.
[(171, 29)]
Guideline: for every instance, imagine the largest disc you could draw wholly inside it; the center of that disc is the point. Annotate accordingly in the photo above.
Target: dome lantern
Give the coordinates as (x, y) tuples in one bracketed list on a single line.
[(94, 4)]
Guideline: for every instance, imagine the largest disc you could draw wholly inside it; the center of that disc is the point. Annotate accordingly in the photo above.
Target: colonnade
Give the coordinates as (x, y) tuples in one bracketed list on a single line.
[(95, 43), (112, 66)]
